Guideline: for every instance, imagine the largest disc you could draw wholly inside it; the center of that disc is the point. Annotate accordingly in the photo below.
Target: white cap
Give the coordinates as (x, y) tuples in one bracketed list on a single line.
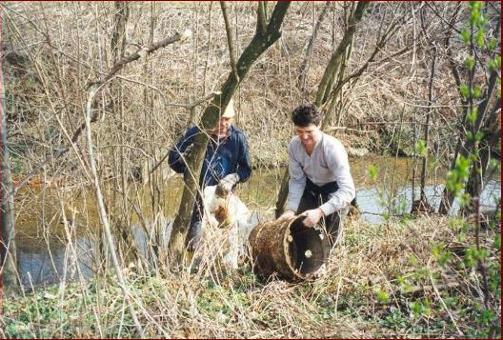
[(229, 110)]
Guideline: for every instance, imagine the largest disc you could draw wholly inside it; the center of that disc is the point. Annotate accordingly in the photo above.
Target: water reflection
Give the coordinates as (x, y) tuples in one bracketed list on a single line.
[(38, 265), (375, 203), (152, 236)]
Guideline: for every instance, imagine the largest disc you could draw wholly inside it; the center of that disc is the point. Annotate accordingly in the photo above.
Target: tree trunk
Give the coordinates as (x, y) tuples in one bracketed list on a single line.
[(304, 66), (465, 147), (118, 45), (264, 37), (118, 41), (491, 139), (422, 198), (328, 77), (8, 261)]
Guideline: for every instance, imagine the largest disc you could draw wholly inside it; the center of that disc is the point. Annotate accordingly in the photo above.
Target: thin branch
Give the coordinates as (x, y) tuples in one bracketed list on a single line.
[(101, 205), (137, 55), (116, 68), (304, 67), (261, 18), (47, 39), (120, 64), (229, 39), (360, 71), (160, 92), (450, 24)]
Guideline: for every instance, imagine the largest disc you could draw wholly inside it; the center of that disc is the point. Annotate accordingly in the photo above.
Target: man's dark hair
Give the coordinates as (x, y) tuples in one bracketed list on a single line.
[(306, 114)]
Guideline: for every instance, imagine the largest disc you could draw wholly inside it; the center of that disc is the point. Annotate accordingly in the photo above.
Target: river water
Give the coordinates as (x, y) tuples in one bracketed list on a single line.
[(45, 256)]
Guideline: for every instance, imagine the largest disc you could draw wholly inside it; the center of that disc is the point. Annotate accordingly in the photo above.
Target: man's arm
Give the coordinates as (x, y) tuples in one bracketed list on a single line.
[(242, 167), (297, 181), (337, 160), (176, 158)]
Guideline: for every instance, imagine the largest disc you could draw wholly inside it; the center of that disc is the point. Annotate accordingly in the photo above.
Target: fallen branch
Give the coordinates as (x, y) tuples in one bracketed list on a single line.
[(420, 290)]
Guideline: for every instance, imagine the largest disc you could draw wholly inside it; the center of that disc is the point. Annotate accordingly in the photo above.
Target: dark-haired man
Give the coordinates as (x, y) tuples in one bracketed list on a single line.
[(321, 185), (226, 163)]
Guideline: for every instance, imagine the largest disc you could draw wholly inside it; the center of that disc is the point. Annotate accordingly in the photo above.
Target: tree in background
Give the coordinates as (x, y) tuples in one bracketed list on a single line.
[(7, 243), (481, 106), (478, 84)]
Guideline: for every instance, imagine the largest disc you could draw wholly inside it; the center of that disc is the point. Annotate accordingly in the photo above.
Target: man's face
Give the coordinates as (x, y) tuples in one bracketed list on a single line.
[(223, 126), (308, 135)]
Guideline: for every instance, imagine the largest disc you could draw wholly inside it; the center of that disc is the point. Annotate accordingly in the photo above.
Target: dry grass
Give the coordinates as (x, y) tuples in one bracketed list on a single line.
[(382, 281)]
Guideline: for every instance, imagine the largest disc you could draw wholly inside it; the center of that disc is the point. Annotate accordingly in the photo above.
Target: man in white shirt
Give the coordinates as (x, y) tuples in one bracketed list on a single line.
[(321, 185)]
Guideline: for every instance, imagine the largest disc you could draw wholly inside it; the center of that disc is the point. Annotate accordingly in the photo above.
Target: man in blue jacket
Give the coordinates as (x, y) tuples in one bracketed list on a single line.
[(226, 163)]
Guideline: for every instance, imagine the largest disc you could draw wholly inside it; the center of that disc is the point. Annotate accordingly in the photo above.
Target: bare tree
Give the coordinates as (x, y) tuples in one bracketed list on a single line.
[(422, 204), (7, 243), (304, 66), (93, 89)]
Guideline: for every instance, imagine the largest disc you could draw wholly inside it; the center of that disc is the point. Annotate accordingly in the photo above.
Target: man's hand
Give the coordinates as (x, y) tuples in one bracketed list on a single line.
[(226, 184), (289, 214), (312, 218)]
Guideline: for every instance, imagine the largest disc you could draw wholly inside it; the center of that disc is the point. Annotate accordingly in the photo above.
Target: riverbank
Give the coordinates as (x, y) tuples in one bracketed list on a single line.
[(403, 278), (45, 249)]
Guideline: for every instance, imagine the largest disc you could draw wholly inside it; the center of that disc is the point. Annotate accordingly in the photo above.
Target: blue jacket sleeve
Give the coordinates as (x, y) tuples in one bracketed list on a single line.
[(244, 165), (175, 159)]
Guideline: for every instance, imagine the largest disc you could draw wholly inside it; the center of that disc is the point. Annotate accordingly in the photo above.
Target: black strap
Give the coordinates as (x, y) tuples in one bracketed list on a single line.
[(324, 190)]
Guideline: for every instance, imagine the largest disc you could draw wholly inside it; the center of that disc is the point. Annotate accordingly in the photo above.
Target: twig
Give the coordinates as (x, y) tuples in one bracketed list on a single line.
[(117, 67), (304, 67), (449, 24), (230, 42), (191, 105), (139, 53), (444, 306)]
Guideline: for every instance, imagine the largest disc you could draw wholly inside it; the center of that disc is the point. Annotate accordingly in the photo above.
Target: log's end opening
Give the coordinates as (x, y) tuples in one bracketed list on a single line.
[(288, 250), (308, 248)]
